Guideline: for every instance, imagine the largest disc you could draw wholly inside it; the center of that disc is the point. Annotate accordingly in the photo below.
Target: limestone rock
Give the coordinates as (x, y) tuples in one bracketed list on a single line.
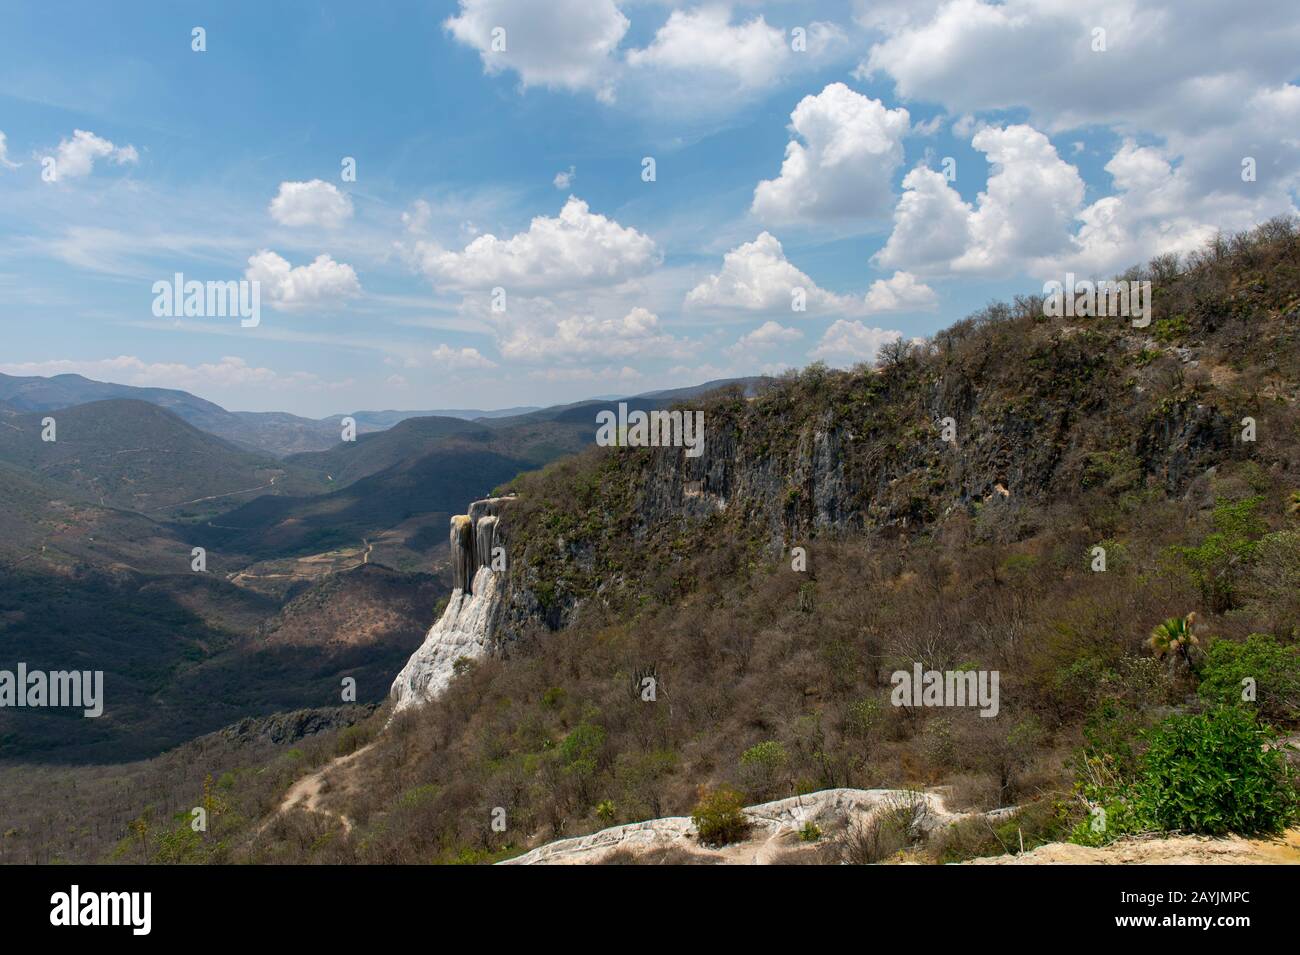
[(466, 628)]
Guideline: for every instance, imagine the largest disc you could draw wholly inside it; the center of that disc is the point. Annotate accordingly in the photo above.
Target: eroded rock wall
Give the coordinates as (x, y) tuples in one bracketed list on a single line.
[(468, 625)]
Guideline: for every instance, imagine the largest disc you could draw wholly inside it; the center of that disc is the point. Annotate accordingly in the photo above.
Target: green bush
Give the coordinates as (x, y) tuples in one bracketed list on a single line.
[(810, 832), (1218, 562), (1215, 773), (1211, 773), (719, 817), (1274, 668), (762, 767)]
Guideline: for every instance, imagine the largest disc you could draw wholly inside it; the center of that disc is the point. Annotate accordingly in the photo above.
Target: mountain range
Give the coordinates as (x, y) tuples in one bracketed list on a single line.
[(101, 517)]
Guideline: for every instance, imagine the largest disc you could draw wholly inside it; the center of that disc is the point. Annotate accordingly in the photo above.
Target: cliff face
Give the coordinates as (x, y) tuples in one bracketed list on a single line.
[(995, 421), (467, 627)]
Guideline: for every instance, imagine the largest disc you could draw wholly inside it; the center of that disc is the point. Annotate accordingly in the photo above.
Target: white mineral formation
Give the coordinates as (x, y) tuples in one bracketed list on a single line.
[(467, 625), (773, 826)]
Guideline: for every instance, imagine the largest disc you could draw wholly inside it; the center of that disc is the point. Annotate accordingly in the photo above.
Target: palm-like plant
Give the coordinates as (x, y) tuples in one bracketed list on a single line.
[(1175, 635)]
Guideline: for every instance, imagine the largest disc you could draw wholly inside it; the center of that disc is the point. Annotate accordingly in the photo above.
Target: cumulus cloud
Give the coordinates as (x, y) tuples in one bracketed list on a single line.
[(577, 248), (767, 336), (314, 203), (849, 342), (1169, 65), (901, 292), (564, 178), (324, 283), (845, 165), (76, 156), (1025, 213), (752, 54), (4, 154), (560, 44), (1031, 218), (584, 337), (460, 359), (1202, 86), (756, 276)]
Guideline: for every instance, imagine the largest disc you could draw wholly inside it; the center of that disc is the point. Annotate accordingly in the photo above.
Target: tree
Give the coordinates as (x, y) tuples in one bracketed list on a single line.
[(1174, 636)]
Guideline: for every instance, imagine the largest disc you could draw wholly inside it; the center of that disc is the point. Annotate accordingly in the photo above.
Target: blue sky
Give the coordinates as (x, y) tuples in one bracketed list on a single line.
[(820, 168)]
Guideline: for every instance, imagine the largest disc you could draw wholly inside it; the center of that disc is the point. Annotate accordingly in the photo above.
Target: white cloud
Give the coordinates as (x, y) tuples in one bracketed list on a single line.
[(611, 373), (584, 337), (417, 218), (757, 276), (752, 54), (766, 336), (1207, 84), (324, 283), (564, 178), (76, 156), (314, 203), (229, 372), (902, 292), (4, 154), (1031, 216), (578, 248), (845, 165), (1025, 213), (849, 342), (1169, 65), (560, 44), (460, 359)]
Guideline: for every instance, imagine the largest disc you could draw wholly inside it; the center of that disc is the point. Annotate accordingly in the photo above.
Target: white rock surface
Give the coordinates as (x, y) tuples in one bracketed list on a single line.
[(768, 822), (466, 627)]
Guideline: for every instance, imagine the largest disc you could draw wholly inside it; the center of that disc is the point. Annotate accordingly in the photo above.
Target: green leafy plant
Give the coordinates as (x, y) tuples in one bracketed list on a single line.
[(1217, 563), (719, 817), (1215, 773), (1274, 670), (1210, 773), (1174, 636)]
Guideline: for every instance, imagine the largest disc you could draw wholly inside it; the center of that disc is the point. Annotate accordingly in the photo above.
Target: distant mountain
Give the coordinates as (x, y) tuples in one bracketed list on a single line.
[(282, 434), (371, 453), (138, 456), (376, 420), (268, 432)]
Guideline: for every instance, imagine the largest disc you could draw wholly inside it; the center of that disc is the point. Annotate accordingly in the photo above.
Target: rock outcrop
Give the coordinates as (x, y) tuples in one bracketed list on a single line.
[(772, 825), (467, 627)]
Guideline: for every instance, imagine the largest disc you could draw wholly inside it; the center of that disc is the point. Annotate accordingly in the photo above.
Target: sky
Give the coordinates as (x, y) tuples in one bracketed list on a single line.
[(492, 203)]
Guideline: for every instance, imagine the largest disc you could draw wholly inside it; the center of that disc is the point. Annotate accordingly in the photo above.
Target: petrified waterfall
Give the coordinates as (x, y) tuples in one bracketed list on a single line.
[(466, 627)]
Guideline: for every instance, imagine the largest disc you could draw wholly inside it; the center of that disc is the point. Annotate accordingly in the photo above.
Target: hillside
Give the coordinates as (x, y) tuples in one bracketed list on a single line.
[(266, 432), (977, 554), (137, 456), (400, 486), (347, 462), (185, 654)]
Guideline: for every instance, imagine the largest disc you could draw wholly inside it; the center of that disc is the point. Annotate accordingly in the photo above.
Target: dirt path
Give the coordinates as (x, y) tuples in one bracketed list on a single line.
[(1176, 850), (216, 497), (307, 793)]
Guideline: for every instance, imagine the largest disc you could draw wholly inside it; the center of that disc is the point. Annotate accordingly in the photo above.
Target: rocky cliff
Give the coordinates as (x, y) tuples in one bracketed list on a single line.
[(467, 626)]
